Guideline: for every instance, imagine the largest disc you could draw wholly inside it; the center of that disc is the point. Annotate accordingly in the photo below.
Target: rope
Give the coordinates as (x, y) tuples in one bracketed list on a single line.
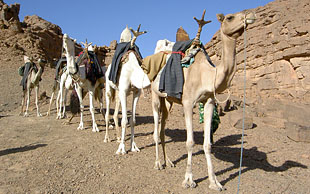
[(214, 93), (243, 112)]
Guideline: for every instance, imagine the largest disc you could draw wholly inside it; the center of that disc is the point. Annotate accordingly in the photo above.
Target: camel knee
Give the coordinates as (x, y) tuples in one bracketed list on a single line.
[(124, 122), (155, 136), (207, 148), (132, 121), (190, 144)]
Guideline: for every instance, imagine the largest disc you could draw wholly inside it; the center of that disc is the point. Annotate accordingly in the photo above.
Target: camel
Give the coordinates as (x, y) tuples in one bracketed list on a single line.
[(63, 81), (31, 79), (201, 82), (129, 78), (89, 82)]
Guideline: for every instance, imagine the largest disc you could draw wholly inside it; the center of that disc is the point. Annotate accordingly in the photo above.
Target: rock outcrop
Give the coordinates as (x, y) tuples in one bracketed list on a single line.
[(278, 53), (35, 37)]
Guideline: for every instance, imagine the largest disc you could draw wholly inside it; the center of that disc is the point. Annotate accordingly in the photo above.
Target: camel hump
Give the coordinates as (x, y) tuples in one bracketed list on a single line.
[(181, 35)]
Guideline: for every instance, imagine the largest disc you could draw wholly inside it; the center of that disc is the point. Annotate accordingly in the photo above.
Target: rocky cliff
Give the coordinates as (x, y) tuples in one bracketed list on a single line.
[(34, 37), (277, 50)]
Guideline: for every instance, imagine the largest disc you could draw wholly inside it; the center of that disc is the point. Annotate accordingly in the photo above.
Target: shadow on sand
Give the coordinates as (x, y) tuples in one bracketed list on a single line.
[(21, 149), (222, 150)]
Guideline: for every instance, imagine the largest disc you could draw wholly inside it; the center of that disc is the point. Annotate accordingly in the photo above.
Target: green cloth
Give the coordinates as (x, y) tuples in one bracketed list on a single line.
[(215, 118)]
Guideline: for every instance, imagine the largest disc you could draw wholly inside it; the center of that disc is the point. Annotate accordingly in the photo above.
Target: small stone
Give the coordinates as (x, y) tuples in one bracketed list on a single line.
[(248, 123)]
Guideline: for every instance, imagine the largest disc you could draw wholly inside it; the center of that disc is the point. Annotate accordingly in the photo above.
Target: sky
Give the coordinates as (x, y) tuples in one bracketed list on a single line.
[(101, 21)]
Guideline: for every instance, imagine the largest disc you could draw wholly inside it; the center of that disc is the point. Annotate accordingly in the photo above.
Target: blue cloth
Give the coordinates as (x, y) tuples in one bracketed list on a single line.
[(121, 49)]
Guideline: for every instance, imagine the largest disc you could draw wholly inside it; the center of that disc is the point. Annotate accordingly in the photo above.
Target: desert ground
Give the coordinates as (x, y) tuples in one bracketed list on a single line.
[(43, 155)]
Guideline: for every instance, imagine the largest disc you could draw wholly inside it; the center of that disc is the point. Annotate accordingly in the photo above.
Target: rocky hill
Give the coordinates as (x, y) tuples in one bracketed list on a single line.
[(278, 53), (34, 36)]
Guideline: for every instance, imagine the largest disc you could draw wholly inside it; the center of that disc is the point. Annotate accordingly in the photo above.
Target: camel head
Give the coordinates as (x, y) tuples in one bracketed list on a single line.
[(68, 44), (42, 62), (125, 35), (163, 45), (232, 25)]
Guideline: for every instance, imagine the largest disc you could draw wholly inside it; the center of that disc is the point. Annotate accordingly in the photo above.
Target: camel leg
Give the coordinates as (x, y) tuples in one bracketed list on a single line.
[(37, 99), (23, 102), (108, 98), (135, 99), (156, 107), (122, 98), (50, 104), (57, 105), (166, 106), (208, 112), (92, 110), (64, 104), (115, 118), (80, 96), (188, 114), (28, 100), (61, 91)]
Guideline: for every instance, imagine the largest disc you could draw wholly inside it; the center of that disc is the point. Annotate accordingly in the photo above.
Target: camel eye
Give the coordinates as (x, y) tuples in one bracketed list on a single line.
[(229, 18)]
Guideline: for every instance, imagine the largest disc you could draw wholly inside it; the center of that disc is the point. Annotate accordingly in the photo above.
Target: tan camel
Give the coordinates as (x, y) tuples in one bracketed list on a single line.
[(201, 82), (32, 80)]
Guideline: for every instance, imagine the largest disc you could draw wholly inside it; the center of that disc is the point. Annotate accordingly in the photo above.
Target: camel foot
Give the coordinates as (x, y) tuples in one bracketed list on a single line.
[(66, 123), (81, 126), (39, 115), (106, 139), (47, 114), (26, 114), (216, 186), (134, 147), (169, 163), (121, 149), (95, 129), (188, 182), (111, 127), (158, 166), (119, 140)]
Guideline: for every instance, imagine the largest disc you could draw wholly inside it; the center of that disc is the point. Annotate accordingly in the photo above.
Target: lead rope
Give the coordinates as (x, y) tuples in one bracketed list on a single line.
[(243, 113), (214, 93)]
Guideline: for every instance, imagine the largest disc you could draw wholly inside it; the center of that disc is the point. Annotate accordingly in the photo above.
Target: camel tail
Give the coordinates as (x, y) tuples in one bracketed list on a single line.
[(74, 103)]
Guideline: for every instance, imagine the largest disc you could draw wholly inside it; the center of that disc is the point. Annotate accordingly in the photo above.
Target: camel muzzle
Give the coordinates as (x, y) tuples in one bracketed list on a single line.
[(250, 18)]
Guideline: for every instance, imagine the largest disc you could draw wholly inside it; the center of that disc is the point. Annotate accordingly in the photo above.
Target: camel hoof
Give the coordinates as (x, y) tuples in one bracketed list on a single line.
[(134, 147), (26, 115), (158, 166), (106, 140), (111, 127), (121, 149), (39, 115), (95, 130), (216, 187), (189, 184)]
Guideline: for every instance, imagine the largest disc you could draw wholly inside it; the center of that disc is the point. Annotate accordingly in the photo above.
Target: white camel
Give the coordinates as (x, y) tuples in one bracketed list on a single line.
[(62, 85), (31, 80), (130, 78), (201, 82), (82, 82)]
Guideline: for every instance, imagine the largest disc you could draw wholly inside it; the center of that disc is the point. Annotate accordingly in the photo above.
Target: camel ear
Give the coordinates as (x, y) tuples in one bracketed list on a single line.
[(220, 17)]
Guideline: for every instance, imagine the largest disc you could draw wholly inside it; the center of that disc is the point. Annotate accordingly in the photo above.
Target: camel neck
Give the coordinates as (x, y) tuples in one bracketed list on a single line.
[(70, 62), (227, 65), (228, 52)]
